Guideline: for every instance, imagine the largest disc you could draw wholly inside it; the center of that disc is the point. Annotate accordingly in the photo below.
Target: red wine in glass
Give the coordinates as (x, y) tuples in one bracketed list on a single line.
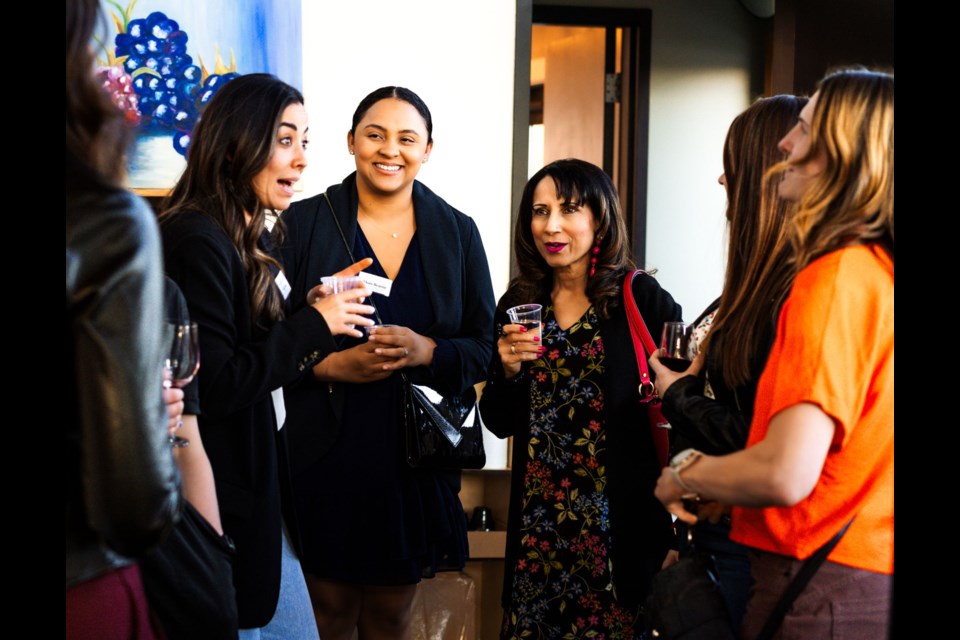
[(182, 363)]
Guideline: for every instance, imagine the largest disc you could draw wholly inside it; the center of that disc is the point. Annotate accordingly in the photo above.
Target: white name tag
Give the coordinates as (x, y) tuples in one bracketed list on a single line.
[(283, 285), (376, 284)]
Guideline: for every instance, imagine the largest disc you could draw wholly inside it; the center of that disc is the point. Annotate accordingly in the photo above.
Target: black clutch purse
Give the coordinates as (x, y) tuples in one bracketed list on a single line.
[(442, 432), (686, 603)]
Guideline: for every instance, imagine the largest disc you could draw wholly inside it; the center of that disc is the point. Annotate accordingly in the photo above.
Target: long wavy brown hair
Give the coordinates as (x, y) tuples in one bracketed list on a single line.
[(231, 144), (576, 181), (97, 135), (851, 201), (758, 272)]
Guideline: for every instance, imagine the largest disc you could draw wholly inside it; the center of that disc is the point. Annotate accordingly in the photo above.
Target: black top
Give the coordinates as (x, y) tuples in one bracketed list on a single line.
[(721, 425), (240, 364), (636, 517), (457, 288)]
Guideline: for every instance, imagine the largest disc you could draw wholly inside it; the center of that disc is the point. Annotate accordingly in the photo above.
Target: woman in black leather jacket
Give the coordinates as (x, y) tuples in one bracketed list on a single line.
[(712, 412), (122, 494)]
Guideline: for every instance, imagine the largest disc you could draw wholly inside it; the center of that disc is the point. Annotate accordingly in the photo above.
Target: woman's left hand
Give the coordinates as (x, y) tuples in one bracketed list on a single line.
[(671, 495), (666, 377), (409, 348)]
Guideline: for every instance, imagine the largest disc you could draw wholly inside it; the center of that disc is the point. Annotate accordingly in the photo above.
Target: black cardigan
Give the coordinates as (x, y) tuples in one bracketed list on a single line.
[(240, 365), (458, 287), (640, 527)]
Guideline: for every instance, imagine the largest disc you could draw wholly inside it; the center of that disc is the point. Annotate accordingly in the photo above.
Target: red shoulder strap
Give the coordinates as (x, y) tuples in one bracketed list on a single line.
[(643, 346)]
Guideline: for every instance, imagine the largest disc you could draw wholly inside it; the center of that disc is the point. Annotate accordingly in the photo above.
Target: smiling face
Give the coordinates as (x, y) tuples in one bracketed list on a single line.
[(796, 144), (389, 143), (274, 183), (563, 231)]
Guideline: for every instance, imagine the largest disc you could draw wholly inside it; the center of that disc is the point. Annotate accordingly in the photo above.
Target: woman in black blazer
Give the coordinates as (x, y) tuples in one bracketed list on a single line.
[(246, 154), (371, 525), (584, 536)]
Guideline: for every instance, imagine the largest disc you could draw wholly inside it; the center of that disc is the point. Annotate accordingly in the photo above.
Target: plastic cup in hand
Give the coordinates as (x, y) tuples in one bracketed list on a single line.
[(676, 337), (341, 283), (527, 315)]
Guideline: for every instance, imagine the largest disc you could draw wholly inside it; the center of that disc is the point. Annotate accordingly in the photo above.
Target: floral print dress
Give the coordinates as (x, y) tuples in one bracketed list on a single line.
[(563, 583)]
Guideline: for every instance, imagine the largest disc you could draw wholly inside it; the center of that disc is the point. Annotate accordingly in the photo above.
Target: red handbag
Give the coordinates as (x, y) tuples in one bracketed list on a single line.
[(643, 347)]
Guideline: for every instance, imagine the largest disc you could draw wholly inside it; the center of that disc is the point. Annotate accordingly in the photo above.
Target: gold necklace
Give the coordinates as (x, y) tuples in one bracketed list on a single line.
[(392, 234)]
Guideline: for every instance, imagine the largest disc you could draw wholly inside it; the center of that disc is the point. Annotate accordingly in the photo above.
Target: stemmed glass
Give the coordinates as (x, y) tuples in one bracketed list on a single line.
[(676, 337), (182, 363)]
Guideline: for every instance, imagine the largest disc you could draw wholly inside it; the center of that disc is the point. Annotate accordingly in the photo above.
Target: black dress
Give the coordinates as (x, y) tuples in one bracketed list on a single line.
[(366, 517), (564, 578)]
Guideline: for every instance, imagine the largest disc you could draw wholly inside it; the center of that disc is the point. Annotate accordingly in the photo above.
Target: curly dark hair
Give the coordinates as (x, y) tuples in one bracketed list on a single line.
[(587, 184)]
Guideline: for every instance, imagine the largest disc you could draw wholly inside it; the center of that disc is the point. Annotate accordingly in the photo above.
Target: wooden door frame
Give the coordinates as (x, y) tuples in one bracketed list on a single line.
[(634, 105)]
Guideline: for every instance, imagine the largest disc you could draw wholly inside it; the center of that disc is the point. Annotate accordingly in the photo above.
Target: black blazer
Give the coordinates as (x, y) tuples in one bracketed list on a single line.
[(458, 286), (639, 524), (240, 365)]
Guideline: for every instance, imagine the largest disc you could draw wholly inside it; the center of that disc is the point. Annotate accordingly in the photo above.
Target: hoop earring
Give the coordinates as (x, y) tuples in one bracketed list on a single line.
[(593, 258)]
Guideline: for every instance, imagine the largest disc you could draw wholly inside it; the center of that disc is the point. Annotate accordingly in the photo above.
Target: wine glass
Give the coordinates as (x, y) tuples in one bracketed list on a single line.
[(674, 356), (182, 363)]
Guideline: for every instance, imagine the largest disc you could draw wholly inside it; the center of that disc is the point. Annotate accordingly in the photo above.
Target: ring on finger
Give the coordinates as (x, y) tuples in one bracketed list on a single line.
[(406, 352), (513, 349)]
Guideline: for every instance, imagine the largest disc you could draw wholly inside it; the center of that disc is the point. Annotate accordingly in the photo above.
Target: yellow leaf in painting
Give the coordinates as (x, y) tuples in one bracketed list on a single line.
[(526, 633), (561, 517), (580, 471), (563, 371), (532, 555), (574, 493), (554, 377), (571, 515), (556, 565), (585, 432), (580, 442), (570, 414), (592, 449), (563, 604), (587, 325), (558, 505), (591, 634), (530, 450), (145, 70)]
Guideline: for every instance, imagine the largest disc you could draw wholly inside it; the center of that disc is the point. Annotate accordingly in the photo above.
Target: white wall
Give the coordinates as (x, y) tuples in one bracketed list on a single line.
[(459, 58)]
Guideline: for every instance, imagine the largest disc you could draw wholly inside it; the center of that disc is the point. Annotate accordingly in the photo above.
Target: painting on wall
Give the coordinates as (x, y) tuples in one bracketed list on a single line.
[(163, 60)]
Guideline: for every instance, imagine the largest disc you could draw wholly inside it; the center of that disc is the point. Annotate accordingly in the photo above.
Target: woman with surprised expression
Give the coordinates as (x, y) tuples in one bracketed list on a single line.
[(372, 525), (248, 151)]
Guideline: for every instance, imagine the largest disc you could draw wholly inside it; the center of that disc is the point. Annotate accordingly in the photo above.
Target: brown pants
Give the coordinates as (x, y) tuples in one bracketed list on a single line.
[(840, 602)]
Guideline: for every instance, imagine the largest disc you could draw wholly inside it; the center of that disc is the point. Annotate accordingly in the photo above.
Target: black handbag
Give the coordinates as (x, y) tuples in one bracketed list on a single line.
[(189, 581), (442, 432), (686, 603)]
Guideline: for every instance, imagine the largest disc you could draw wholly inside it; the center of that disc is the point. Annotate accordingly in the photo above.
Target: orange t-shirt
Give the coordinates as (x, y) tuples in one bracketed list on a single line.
[(834, 348)]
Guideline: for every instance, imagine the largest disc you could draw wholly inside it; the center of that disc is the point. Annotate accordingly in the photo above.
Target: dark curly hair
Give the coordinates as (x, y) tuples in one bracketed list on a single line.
[(576, 181)]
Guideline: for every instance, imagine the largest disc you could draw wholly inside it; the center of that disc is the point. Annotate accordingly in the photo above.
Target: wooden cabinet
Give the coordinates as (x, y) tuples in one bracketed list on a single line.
[(489, 488)]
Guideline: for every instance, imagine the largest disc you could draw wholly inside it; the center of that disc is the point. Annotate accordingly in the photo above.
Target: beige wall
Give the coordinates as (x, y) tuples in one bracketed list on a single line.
[(706, 67)]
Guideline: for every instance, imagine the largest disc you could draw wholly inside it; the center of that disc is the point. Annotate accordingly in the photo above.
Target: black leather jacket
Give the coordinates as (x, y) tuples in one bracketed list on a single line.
[(122, 488)]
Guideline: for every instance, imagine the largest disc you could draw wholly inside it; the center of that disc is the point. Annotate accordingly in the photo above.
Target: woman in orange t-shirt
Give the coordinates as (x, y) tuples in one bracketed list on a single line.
[(820, 450)]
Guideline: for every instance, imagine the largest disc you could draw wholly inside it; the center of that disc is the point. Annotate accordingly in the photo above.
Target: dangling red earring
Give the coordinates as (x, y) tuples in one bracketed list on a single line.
[(593, 259)]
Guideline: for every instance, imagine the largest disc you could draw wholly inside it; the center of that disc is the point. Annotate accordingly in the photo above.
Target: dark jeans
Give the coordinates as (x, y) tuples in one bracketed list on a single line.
[(730, 561), (839, 602)]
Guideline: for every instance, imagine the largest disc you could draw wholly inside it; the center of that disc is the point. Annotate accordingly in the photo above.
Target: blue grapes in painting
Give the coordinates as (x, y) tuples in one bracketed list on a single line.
[(170, 89)]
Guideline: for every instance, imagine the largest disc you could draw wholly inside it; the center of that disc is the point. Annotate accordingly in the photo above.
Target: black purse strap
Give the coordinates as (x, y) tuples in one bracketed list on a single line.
[(799, 583), (346, 245)]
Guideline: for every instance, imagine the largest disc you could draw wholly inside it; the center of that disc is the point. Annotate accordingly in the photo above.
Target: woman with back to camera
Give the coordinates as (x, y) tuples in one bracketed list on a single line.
[(246, 155), (820, 450), (582, 543), (712, 412), (373, 526), (122, 487)]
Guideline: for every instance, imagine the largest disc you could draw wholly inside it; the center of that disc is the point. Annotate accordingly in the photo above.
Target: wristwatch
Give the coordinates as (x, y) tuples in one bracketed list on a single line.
[(680, 462)]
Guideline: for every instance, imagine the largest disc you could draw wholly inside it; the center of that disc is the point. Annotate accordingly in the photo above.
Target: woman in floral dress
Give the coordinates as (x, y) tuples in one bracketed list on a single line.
[(585, 536)]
